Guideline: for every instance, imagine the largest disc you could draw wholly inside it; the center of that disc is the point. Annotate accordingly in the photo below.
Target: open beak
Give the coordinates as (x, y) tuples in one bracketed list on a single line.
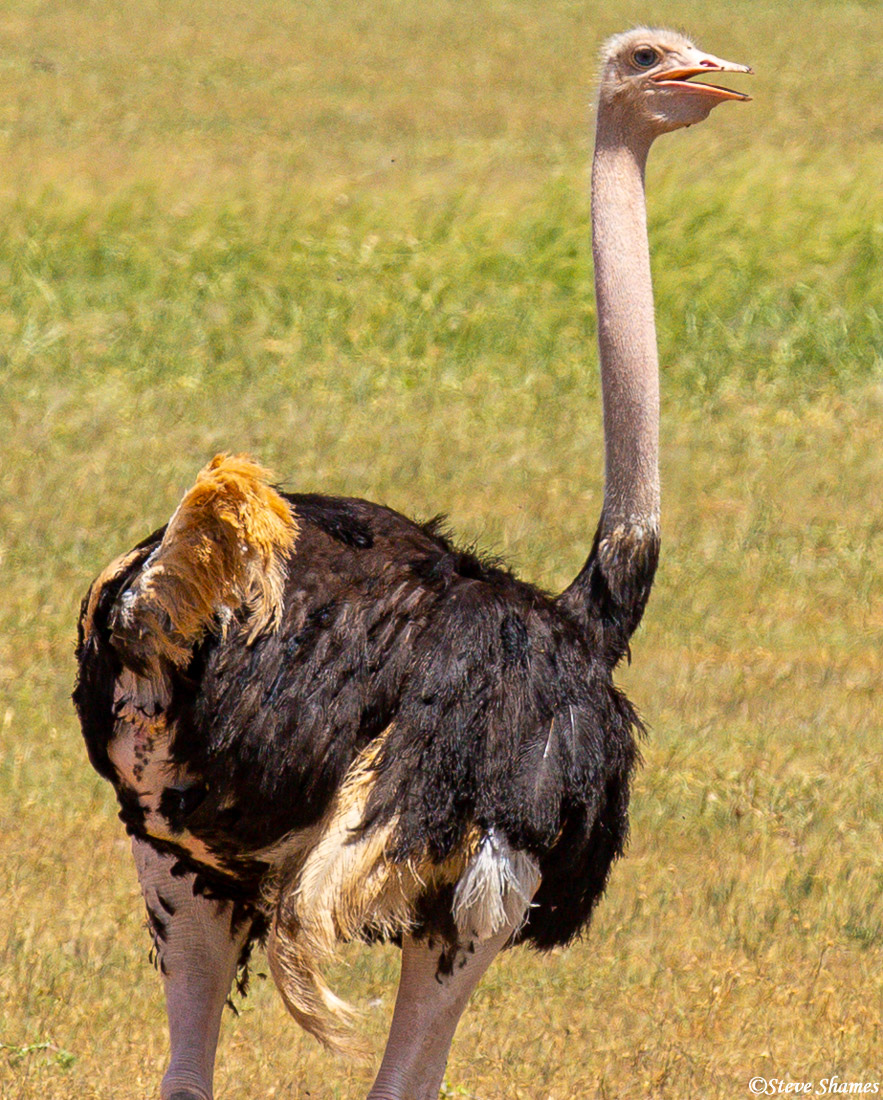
[(705, 63)]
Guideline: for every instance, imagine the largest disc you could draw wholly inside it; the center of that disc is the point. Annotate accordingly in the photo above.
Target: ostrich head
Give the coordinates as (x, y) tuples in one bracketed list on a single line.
[(647, 73)]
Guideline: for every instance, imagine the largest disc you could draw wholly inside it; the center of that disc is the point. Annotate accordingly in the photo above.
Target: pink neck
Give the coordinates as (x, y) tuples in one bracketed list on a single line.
[(626, 326)]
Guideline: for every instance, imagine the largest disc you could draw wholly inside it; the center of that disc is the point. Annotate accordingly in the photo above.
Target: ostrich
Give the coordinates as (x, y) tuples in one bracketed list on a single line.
[(325, 722)]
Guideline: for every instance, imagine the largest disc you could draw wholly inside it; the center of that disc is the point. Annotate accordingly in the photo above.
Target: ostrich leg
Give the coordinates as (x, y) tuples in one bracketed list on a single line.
[(428, 1009), (198, 952)]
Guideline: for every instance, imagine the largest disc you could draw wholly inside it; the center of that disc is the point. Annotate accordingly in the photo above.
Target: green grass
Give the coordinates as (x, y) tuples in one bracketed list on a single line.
[(353, 239)]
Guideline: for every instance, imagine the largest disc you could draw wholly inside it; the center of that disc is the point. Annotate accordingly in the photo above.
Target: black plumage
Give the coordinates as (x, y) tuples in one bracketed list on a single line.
[(498, 701)]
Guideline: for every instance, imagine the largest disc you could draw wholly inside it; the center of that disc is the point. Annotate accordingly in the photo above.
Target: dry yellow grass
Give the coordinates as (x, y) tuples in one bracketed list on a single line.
[(353, 239)]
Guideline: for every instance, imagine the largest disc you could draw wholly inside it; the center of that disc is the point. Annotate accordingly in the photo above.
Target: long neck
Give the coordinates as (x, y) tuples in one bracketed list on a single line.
[(626, 328), (612, 588)]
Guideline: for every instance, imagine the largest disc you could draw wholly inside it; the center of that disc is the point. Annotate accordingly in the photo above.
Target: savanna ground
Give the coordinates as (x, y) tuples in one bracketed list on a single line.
[(353, 239)]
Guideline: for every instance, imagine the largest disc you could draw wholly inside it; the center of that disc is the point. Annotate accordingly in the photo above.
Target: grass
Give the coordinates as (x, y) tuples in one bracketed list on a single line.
[(353, 239)]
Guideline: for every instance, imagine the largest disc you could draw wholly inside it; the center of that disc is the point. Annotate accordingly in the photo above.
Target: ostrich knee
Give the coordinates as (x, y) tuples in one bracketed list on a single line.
[(198, 950), (428, 1008)]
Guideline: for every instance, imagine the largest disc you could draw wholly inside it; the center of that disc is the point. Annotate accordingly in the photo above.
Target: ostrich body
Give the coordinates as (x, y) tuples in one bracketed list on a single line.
[(323, 721)]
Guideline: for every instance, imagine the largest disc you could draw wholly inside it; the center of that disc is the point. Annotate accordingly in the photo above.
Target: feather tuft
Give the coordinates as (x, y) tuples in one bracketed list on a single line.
[(495, 890), (222, 555)]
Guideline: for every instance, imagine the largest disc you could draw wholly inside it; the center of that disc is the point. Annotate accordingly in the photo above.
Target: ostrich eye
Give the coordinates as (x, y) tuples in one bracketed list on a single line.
[(645, 57)]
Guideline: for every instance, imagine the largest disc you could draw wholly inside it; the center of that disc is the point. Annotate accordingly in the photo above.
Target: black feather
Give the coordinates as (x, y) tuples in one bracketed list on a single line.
[(497, 702)]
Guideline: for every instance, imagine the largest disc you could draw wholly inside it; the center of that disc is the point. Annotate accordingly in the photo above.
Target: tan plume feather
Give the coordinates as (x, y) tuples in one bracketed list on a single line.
[(349, 886), (223, 552)]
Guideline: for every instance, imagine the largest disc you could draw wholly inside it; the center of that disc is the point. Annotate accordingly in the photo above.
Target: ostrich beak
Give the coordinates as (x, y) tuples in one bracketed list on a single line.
[(703, 63)]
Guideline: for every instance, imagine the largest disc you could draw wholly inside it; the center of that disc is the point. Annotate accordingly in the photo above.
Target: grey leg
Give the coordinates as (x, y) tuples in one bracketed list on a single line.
[(198, 952), (428, 1009)]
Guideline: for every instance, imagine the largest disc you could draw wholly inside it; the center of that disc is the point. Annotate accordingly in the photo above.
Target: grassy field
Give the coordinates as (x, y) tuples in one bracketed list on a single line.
[(353, 239)]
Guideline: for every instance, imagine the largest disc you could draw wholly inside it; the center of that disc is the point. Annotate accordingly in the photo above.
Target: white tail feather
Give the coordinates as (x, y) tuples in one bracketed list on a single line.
[(495, 890)]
